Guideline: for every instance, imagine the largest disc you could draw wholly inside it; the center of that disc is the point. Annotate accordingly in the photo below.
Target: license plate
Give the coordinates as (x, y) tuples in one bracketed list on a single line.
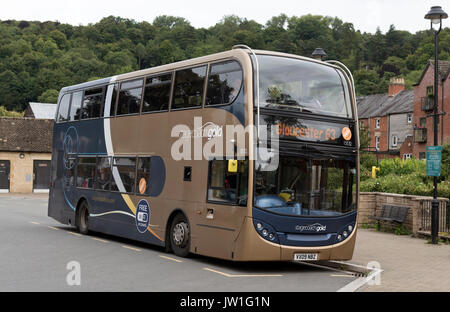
[(305, 257)]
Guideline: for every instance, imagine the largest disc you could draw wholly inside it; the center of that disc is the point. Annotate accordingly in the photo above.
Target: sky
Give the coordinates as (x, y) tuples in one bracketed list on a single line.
[(366, 15)]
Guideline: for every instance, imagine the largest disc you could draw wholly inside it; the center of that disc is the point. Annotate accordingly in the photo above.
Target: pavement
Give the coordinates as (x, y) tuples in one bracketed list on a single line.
[(408, 264), (35, 251)]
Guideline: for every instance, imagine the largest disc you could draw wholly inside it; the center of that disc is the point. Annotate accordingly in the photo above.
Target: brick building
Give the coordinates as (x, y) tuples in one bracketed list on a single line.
[(424, 97), (389, 119), (25, 154)]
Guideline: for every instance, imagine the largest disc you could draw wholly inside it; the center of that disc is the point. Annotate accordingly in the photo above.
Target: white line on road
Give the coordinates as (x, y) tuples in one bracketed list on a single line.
[(242, 275), (169, 258), (132, 248), (37, 223), (100, 240)]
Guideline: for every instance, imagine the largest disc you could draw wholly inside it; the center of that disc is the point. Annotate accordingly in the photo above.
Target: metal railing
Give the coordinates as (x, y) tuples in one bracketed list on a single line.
[(444, 216)]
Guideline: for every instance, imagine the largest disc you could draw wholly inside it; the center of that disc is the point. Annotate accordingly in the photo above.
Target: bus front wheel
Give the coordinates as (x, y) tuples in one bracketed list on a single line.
[(180, 236), (83, 218)]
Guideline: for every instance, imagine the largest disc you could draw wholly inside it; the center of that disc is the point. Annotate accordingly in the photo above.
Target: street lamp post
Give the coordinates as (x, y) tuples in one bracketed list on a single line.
[(435, 15), (319, 54)]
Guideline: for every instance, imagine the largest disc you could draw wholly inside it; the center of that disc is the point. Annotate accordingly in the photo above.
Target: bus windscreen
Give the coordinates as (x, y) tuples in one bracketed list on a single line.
[(306, 86), (303, 186)]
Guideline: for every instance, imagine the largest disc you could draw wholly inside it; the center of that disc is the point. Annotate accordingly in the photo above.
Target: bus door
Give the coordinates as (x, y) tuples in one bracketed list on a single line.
[(225, 206)]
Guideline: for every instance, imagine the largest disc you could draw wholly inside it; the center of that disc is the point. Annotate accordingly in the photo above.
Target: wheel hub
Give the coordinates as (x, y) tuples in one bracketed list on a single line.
[(180, 233)]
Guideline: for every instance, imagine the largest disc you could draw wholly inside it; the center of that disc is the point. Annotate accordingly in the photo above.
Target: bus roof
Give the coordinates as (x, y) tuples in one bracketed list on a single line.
[(237, 53)]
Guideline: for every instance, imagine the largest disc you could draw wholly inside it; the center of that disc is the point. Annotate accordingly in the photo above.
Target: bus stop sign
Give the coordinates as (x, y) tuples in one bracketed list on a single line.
[(434, 157)]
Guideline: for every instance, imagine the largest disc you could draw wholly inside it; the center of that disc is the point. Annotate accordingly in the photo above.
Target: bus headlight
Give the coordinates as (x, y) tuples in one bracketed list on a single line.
[(266, 231), (345, 234), (350, 228)]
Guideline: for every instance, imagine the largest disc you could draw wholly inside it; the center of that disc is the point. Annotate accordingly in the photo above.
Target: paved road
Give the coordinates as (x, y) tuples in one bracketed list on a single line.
[(35, 250)]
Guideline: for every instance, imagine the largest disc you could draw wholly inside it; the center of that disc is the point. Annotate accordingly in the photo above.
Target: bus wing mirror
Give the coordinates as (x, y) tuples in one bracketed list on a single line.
[(232, 165)]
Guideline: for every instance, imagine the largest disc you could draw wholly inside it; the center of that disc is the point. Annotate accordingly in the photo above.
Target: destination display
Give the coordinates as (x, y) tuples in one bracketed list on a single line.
[(291, 128)]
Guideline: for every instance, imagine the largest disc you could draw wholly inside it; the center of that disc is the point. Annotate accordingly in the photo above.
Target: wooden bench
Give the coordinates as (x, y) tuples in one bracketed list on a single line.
[(391, 213)]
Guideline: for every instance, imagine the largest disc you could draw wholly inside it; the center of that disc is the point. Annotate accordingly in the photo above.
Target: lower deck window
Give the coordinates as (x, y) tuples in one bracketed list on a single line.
[(86, 172), (126, 168), (225, 186)]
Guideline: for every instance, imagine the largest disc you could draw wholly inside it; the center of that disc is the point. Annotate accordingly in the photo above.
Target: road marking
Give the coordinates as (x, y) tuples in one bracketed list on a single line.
[(52, 227), (342, 275), (73, 233), (242, 275), (132, 248), (100, 240), (37, 223), (169, 258)]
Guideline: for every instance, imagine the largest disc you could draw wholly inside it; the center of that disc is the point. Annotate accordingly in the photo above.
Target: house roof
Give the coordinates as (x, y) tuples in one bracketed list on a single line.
[(443, 70), (41, 110), (378, 105), (22, 134)]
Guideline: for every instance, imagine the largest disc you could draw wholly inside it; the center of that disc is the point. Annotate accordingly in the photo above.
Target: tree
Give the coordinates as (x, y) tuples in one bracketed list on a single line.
[(49, 96)]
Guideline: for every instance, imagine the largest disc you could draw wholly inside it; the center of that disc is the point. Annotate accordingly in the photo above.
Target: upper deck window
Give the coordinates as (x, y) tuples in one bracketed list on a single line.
[(63, 112), (188, 90), (157, 93), (130, 97), (288, 83), (224, 83), (93, 103), (75, 108)]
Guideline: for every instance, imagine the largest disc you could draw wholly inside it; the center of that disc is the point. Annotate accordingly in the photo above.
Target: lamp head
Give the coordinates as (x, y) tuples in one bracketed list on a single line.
[(436, 15), (319, 54)]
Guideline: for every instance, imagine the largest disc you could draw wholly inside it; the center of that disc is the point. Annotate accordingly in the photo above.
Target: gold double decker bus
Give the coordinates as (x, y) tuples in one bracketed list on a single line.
[(173, 156)]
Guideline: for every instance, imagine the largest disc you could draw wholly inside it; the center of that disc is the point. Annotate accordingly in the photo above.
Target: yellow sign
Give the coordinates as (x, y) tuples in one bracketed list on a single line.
[(232, 165)]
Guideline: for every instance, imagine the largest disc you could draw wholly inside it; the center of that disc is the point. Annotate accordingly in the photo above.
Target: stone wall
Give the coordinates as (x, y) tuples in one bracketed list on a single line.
[(371, 204)]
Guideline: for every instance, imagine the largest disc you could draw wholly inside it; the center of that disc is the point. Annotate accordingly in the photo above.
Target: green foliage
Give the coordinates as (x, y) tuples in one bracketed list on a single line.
[(40, 56), (5, 113), (404, 177), (49, 96)]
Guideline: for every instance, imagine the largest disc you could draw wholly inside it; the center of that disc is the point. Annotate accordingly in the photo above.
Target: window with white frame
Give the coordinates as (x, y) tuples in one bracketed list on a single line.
[(377, 123), (407, 156), (410, 118), (394, 140), (377, 143)]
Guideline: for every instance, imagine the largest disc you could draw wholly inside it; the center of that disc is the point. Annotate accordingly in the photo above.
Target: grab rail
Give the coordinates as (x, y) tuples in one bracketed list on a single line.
[(353, 89), (243, 46)]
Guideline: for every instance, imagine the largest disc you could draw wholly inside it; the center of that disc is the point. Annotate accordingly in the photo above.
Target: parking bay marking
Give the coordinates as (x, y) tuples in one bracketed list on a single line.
[(132, 248), (242, 275), (169, 258)]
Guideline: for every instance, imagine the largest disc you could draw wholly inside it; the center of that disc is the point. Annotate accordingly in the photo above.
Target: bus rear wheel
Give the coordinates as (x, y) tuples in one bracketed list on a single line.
[(83, 218), (180, 236)]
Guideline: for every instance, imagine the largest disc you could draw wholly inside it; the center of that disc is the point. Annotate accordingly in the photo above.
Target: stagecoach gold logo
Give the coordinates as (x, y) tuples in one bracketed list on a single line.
[(316, 227), (208, 130)]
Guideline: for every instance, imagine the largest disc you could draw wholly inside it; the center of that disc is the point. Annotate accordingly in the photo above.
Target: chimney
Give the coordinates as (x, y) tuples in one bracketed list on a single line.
[(396, 85)]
